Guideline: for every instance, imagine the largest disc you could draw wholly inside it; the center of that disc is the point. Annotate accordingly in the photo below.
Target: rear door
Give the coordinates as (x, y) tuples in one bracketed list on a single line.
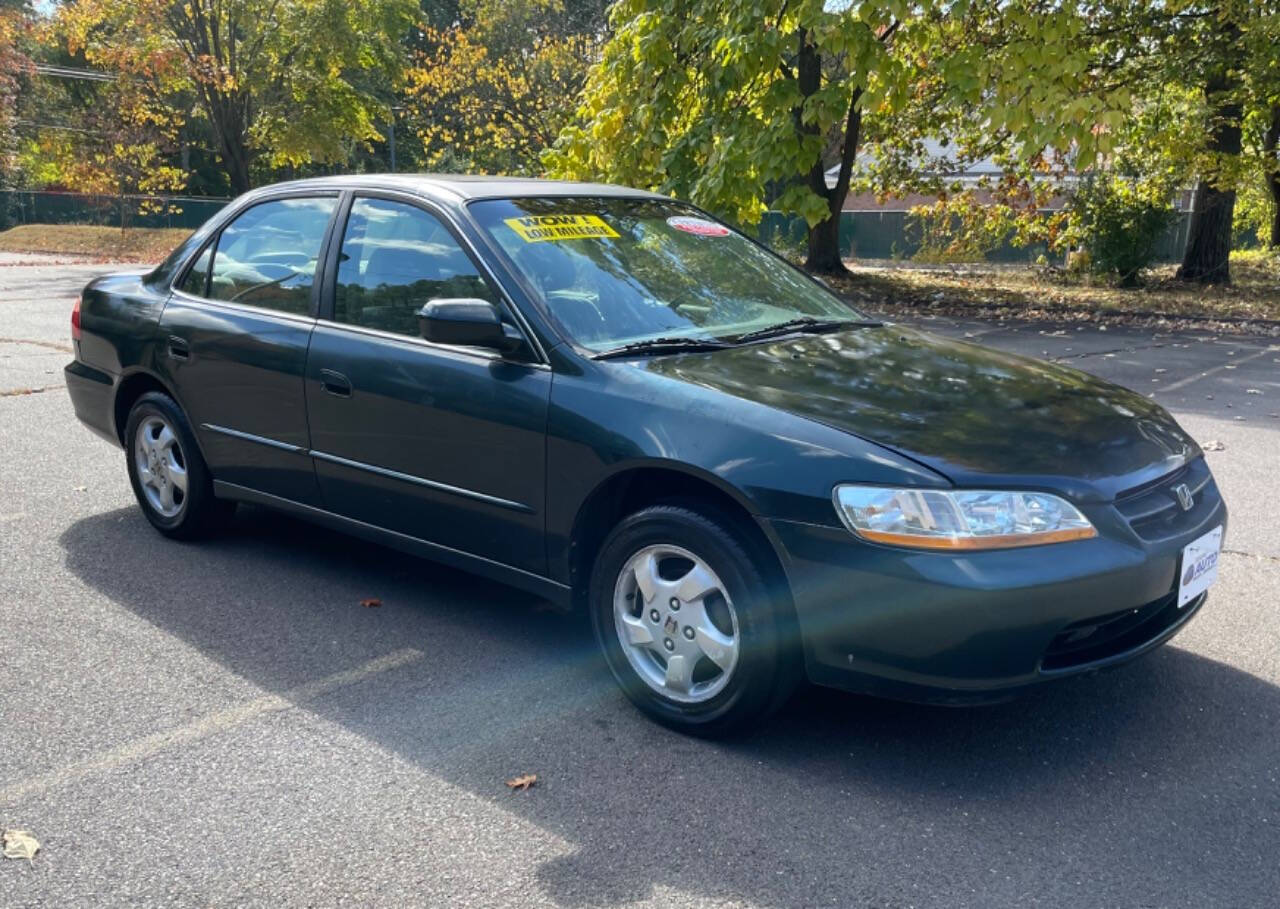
[(234, 343), (443, 443)]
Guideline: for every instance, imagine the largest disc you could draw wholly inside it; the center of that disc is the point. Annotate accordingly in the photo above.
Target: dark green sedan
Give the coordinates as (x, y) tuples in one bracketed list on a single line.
[(613, 401)]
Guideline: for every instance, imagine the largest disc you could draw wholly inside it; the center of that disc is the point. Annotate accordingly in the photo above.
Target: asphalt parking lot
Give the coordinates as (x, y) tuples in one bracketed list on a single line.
[(224, 724)]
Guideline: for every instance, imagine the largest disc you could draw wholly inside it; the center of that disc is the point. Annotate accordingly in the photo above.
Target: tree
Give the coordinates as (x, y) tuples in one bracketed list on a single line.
[(736, 104), (15, 18), (125, 144), (1208, 252), (491, 90), (712, 101), (1226, 51), (1271, 173), (280, 82)]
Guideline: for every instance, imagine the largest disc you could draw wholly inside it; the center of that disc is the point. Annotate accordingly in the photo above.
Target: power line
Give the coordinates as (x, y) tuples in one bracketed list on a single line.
[(69, 72), (69, 129), (106, 136)]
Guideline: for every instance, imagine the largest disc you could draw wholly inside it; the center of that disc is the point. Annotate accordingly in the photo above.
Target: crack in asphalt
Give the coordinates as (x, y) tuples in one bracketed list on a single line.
[(1103, 353), (52, 345), (1252, 555)]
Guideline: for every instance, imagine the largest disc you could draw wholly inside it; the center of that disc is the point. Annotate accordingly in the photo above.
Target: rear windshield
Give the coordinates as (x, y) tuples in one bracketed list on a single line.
[(614, 271)]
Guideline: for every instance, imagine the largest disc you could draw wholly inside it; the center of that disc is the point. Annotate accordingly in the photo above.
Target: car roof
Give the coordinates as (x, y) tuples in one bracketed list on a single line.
[(465, 187)]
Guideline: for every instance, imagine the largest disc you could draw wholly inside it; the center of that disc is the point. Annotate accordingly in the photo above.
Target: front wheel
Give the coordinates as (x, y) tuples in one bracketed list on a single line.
[(168, 475), (689, 625)]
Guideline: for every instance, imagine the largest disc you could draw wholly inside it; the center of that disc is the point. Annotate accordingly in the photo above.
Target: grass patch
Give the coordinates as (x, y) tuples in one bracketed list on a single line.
[(108, 244), (1036, 292)]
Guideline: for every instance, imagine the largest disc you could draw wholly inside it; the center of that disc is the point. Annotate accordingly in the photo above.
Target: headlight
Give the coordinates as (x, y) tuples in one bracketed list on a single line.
[(963, 519)]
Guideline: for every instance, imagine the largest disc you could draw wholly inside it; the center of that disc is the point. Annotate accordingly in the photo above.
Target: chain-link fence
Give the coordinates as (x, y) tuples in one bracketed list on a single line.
[(42, 207)]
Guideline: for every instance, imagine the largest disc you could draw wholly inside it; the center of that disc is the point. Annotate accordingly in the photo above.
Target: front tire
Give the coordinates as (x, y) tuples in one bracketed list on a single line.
[(169, 477), (689, 624)]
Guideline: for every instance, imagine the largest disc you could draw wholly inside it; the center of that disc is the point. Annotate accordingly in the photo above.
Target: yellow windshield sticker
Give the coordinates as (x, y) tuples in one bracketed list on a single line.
[(536, 228)]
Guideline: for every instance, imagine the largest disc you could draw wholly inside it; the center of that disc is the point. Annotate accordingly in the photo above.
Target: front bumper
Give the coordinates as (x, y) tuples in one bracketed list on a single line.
[(977, 626)]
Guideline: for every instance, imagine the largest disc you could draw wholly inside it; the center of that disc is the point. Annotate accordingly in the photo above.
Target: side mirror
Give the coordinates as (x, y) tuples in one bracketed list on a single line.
[(467, 321)]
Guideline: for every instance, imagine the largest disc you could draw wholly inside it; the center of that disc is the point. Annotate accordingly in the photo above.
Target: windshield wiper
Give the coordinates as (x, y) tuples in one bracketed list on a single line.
[(663, 345), (805, 324)]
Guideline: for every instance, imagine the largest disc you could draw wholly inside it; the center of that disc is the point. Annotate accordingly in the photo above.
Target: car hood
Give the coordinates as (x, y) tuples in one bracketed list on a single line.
[(975, 415)]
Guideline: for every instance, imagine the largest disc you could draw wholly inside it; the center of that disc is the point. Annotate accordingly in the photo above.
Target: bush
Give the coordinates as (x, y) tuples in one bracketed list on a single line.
[(1119, 226), (787, 238)]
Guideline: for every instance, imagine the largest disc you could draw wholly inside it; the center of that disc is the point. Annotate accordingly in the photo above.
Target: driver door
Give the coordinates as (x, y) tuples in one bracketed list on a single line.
[(235, 333)]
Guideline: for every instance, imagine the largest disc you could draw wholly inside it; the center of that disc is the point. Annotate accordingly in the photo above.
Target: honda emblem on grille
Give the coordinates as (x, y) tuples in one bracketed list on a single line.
[(1185, 499)]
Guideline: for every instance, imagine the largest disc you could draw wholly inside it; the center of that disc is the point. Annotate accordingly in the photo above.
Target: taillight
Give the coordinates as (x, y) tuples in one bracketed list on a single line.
[(75, 321)]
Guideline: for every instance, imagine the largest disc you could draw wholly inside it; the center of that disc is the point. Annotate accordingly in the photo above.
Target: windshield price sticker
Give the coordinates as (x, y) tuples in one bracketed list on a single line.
[(699, 227), (537, 228)]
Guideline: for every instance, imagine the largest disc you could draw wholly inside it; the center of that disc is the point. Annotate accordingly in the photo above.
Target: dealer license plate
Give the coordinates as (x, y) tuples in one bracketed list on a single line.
[(1199, 566)]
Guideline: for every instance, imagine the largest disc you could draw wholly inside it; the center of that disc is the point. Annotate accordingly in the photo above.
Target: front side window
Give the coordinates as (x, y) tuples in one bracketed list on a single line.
[(395, 259), (267, 256), (617, 271)]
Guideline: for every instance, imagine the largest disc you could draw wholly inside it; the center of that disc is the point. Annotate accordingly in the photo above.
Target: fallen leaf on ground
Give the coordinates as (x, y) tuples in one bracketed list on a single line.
[(1213, 445), (20, 844), (371, 602), (522, 783)]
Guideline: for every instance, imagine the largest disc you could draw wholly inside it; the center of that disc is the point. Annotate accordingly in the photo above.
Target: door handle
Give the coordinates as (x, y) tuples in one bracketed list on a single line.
[(178, 349), (335, 383)]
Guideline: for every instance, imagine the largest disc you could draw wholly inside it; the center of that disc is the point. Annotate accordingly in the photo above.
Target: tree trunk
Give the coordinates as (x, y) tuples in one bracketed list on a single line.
[(234, 153), (824, 248), (824, 237), (1207, 259), (1208, 254), (1275, 213), (227, 113), (236, 161), (1270, 146)]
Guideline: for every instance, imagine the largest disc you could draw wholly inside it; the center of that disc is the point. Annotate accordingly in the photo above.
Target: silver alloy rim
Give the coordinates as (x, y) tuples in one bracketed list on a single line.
[(676, 623), (162, 468)]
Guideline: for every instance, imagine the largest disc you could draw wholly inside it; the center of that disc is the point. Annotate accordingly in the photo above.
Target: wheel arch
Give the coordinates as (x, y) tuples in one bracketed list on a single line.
[(130, 388), (637, 486)]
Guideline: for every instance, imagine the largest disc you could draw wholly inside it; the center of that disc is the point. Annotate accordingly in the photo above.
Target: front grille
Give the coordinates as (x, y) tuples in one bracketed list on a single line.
[(1105, 636), (1153, 509)]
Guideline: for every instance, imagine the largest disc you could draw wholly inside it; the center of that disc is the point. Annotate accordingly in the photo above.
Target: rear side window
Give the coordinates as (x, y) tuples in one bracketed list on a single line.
[(395, 259), (196, 281), (267, 256)]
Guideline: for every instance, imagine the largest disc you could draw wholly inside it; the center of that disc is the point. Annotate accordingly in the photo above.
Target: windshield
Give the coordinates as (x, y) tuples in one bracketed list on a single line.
[(617, 271)]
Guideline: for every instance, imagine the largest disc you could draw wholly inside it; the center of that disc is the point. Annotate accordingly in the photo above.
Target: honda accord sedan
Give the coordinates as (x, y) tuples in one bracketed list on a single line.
[(616, 402)]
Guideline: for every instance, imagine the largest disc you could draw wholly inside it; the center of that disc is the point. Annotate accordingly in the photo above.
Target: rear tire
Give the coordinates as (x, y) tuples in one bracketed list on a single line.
[(689, 623), (169, 477)]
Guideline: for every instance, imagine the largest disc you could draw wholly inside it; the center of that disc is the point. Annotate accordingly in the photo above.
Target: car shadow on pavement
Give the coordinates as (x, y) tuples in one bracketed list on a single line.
[(1158, 779)]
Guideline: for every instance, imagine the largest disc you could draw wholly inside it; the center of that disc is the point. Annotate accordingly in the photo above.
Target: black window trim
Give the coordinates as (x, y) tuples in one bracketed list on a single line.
[(228, 216), (324, 312), (211, 246)]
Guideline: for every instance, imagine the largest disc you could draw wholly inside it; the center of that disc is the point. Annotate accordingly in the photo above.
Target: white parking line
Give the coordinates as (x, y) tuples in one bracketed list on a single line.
[(1183, 383), (220, 721)]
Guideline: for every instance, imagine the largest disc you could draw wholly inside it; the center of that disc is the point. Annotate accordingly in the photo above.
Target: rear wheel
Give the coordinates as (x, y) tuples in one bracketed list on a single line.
[(168, 475), (688, 621)]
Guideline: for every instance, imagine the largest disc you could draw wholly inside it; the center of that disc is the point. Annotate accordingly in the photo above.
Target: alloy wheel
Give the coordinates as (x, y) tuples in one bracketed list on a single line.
[(161, 466), (676, 623)]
